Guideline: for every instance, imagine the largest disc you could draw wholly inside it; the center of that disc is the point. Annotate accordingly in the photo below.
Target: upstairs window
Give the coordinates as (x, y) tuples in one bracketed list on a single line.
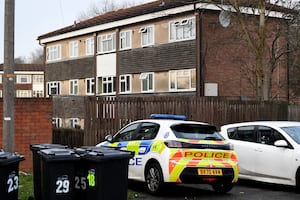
[(147, 36), (53, 53), (73, 49), (125, 40), (89, 46), (184, 29), (38, 79), (23, 79), (107, 43)]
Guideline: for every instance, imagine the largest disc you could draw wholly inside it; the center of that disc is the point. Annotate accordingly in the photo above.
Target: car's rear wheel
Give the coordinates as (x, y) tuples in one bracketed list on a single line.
[(154, 178), (222, 187), (298, 180)]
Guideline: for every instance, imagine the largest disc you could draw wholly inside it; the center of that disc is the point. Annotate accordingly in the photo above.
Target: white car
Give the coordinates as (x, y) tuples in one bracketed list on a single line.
[(268, 151), (169, 149)]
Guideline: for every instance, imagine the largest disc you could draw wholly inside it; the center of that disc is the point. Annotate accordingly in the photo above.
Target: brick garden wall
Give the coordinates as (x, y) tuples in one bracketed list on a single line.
[(33, 125)]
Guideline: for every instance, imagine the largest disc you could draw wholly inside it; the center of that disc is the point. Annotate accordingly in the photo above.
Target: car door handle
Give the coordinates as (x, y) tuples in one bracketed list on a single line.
[(258, 150)]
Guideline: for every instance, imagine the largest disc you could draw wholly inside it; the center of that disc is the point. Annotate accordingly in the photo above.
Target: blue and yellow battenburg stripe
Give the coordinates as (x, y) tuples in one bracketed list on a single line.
[(180, 158)]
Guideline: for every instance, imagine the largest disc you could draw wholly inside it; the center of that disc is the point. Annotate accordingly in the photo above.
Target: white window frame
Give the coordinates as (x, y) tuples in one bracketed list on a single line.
[(89, 86), (23, 79), (147, 35), (56, 122), (53, 85), (89, 46), (146, 80), (125, 80), (106, 43), (73, 122), (125, 40), (23, 93), (74, 87), (184, 29), (53, 53), (179, 74), (38, 79), (73, 49), (38, 93), (108, 85)]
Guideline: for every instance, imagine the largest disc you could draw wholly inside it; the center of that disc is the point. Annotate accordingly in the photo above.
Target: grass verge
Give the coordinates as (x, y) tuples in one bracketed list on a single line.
[(25, 186)]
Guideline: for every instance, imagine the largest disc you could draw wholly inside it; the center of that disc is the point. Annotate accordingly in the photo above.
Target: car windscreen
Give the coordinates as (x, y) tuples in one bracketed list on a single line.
[(293, 132), (196, 132)]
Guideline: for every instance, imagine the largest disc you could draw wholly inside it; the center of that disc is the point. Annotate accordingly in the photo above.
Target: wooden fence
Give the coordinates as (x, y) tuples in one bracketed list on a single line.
[(106, 115)]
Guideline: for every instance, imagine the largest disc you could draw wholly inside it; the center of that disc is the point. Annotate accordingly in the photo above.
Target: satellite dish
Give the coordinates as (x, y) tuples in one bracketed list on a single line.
[(224, 18)]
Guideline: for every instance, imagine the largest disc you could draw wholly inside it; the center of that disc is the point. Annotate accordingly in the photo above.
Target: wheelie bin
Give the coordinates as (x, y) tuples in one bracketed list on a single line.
[(36, 160), (58, 173), (9, 175), (106, 173)]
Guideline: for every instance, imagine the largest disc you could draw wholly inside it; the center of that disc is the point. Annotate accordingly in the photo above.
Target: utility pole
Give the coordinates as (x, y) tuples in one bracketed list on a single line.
[(8, 78)]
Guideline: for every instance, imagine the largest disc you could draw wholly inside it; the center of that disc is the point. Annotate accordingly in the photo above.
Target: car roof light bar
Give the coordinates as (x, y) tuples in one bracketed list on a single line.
[(168, 116)]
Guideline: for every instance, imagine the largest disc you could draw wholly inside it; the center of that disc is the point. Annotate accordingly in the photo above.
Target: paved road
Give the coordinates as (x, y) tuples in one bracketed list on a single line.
[(245, 190)]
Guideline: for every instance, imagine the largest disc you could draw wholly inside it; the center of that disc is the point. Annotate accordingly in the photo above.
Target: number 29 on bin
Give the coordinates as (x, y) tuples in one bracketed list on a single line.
[(91, 178), (63, 185)]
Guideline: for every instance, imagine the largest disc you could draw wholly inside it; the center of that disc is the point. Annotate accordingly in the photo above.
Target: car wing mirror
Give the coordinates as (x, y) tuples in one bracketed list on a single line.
[(109, 138), (281, 143)]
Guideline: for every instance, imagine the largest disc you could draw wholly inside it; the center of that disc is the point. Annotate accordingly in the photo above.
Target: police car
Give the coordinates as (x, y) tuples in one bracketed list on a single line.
[(169, 149)]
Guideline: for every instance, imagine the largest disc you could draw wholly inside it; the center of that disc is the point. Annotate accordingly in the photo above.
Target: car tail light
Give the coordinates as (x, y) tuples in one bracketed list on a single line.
[(173, 144)]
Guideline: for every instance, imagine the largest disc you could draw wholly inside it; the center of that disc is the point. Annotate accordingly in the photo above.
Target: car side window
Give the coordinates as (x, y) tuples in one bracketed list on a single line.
[(147, 131), (268, 135), (127, 133), (244, 133)]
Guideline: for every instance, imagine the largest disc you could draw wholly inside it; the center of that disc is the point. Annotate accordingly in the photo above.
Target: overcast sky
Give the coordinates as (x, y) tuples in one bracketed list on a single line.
[(37, 17)]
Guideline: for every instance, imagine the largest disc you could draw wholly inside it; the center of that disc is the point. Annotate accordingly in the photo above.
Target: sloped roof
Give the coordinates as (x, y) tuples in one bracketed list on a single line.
[(118, 15), (139, 10), (27, 67)]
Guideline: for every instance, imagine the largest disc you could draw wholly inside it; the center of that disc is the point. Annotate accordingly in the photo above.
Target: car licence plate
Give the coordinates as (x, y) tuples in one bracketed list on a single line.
[(210, 172)]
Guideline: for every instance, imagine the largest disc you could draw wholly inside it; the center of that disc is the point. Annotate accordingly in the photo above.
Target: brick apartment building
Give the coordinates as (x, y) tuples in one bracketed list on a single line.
[(29, 80), (170, 47)]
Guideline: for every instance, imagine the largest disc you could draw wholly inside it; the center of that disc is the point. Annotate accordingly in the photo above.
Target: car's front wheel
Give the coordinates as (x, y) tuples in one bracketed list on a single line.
[(222, 187), (154, 178)]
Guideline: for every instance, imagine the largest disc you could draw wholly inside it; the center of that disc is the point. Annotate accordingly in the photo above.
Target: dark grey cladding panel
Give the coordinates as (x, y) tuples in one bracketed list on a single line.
[(163, 57), (70, 69), (68, 106)]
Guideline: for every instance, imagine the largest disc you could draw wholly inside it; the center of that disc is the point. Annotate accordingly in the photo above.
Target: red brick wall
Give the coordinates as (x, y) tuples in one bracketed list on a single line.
[(227, 58), (33, 125)]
